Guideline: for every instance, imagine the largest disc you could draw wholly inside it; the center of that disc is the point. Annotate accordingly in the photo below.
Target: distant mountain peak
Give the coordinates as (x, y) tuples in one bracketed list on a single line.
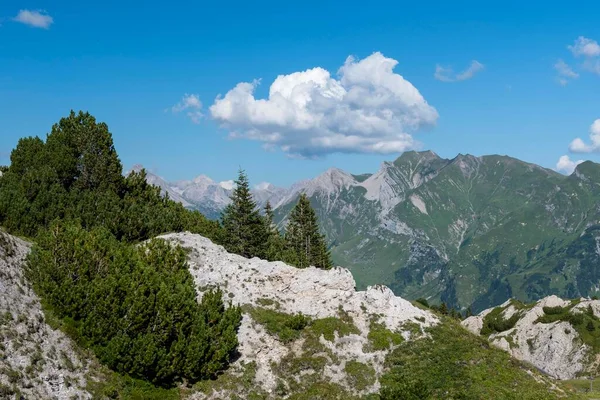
[(227, 185), (264, 186), (203, 179), (333, 179)]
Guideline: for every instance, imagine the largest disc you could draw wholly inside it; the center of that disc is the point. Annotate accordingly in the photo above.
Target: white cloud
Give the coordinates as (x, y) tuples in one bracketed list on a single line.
[(446, 74), (585, 47), (34, 18), (566, 165), (592, 66), (579, 146), (191, 104), (368, 109), (565, 72)]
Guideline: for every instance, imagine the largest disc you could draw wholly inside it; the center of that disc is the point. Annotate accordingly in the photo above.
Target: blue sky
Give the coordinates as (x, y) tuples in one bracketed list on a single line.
[(131, 65)]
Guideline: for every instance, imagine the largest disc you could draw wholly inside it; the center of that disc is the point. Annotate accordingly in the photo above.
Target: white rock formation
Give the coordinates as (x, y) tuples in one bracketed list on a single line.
[(554, 348), (35, 359), (313, 292)]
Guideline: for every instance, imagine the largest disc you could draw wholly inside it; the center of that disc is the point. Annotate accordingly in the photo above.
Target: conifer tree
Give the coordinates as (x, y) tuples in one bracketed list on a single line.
[(275, 245), (303, 239), (245, 231)]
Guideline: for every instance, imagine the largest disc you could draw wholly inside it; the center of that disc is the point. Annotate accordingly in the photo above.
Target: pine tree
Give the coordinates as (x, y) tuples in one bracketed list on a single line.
[(305, 244), (245, 231), (274, 249)]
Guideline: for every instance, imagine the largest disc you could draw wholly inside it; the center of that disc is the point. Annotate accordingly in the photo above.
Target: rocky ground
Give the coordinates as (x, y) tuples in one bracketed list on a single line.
[(341, 346), (36, 361), (559, 348)]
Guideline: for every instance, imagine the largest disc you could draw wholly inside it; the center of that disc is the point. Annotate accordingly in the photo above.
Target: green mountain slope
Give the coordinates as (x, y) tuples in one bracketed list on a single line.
[(471, 231)]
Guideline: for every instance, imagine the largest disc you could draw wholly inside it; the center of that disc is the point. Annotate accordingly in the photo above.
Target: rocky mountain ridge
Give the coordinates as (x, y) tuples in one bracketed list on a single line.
[(551, 334)]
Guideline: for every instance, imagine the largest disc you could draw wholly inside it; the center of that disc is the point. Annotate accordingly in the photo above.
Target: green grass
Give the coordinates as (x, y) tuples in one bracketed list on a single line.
[(116, 386), (582, 386), (359, 375), (284, 326), (451, 363), (239, 385), (328, 326), (381, 338)]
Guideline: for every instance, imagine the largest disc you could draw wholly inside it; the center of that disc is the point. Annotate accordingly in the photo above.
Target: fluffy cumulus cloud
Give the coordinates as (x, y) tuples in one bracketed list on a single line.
[(446, 74), (34, 18), (191, 105), (367, 108), (579, 146), (565, 72), (566, 165)]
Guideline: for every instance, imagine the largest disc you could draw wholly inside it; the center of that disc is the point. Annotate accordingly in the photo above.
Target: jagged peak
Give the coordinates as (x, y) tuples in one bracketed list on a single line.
[(333, 178), (227, 185), (264, 186), (203, 179), (416, 156)]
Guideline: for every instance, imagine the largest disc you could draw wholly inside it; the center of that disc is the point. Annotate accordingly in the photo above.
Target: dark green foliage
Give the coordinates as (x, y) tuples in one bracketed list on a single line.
[(286, 327), (246, 232), (303, 239), (443, 309), (590, 326), (494, 321), (423, 302), (76, 175), (360, 375), (381, 338), (115, 386), (135, 306), (469, 312), (451, 363), (275, 245), (554, 310), (328, 327)]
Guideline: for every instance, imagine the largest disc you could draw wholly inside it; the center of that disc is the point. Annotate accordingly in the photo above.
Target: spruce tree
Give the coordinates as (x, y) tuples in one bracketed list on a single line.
[(275, 245), (305, 244), (245, 231)]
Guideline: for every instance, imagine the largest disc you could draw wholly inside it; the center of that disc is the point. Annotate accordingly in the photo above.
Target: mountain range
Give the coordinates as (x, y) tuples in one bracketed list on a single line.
[(468, 231)]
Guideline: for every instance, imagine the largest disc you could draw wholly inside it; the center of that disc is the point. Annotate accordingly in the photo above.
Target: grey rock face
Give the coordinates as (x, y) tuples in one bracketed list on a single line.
[(36, 360)]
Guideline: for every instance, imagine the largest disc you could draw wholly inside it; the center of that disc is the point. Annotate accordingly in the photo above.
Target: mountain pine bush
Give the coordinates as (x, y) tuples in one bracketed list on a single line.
[(135, 306)]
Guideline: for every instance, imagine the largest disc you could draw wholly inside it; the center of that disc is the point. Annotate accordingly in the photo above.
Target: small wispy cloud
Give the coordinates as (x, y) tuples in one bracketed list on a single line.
[(446, 74), (565, 72), (585, 47), (566, 165), (34, 18), (191, 105)]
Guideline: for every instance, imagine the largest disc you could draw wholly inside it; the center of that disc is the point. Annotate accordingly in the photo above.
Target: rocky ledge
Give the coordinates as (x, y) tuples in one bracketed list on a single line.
[(345, 333)]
